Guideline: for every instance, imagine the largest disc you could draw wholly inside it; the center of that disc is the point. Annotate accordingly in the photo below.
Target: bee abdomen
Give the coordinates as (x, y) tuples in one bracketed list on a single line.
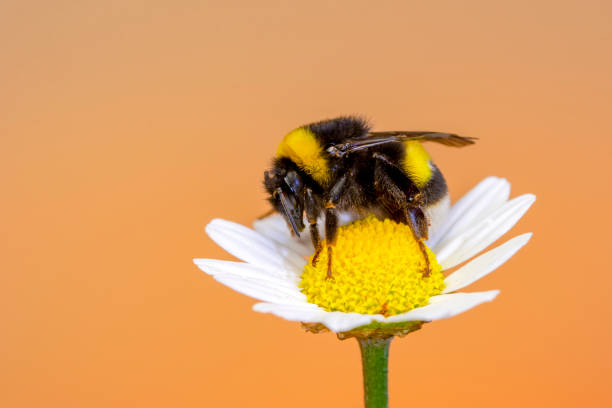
[(435, 189)]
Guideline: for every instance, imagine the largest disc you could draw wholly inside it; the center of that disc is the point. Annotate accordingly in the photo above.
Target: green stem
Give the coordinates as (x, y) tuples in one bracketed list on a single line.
[(374, 360)]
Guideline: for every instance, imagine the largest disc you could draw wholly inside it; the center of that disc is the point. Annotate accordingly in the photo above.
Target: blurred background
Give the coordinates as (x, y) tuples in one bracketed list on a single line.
[(126, 126)]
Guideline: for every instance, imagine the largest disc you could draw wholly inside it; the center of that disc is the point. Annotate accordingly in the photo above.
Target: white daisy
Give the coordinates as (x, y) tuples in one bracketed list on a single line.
[(274, 261)]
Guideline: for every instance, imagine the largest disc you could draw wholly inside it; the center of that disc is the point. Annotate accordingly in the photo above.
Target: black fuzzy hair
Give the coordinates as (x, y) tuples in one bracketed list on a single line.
[(339, 129)]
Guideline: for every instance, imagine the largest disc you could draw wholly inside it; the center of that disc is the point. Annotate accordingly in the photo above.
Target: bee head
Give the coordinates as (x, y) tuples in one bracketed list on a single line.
[(286, 195)]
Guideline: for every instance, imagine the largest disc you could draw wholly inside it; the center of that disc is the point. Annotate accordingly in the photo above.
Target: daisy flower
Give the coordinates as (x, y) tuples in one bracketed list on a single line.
[(378, 289), (381, 284)]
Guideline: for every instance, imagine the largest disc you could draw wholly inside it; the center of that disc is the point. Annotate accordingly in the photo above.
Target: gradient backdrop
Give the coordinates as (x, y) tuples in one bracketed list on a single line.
[(126, 126)]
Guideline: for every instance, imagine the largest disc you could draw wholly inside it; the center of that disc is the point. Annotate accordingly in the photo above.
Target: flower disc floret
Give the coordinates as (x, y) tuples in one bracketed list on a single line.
[(378, 268)]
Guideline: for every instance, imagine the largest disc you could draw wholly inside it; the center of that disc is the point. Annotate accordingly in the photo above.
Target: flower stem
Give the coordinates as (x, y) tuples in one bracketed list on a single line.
[(374, 360)]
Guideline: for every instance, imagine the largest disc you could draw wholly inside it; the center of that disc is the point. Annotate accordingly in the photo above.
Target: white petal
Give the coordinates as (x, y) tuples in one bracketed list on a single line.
[(440, 307), (261, 290), (274, 222), (484, 233), (340, 322), (309, 313), (484, 264), (461, 206), (488, 195), (443, 306), (275, 228), (306, 312), (241, 269), (252, 247), (437, 215)]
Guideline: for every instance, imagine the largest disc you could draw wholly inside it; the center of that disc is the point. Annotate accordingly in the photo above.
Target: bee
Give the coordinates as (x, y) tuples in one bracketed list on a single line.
[(340, 165)]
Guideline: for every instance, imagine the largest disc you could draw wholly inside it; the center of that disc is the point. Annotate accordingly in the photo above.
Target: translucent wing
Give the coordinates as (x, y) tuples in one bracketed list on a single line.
[(378, 138)]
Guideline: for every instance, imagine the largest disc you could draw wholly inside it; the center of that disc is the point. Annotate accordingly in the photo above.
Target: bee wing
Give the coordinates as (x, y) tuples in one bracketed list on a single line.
[(378, 138), (448, 139)]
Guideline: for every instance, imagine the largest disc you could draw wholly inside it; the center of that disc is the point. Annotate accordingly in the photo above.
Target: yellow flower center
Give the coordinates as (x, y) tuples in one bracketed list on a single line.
[(377, 268)]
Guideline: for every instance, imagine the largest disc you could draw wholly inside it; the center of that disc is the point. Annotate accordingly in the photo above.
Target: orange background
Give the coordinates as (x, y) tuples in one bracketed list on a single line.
[(127, 125)]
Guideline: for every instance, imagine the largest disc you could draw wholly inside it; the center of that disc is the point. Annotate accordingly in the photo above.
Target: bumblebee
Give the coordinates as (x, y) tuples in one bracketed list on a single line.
[(340, 165)]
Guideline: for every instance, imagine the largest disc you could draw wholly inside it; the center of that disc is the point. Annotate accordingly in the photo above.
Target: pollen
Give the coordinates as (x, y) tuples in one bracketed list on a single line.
[(377, 268)]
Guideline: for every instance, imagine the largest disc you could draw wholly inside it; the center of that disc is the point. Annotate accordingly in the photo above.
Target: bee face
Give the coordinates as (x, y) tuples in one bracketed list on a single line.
[(285, 188)]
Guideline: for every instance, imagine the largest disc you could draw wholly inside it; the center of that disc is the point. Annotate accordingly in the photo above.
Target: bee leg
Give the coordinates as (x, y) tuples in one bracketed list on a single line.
[(331, 233), (423, 249), (331, 219), (427, 270), (392, 198), (396, 202), (393, 175), (418, 225), (316, 242), (311, 214), (419, 222)]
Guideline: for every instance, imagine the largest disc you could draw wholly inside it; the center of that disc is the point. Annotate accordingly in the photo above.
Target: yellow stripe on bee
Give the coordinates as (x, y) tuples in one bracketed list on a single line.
[(416, 163), (303, 148)]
